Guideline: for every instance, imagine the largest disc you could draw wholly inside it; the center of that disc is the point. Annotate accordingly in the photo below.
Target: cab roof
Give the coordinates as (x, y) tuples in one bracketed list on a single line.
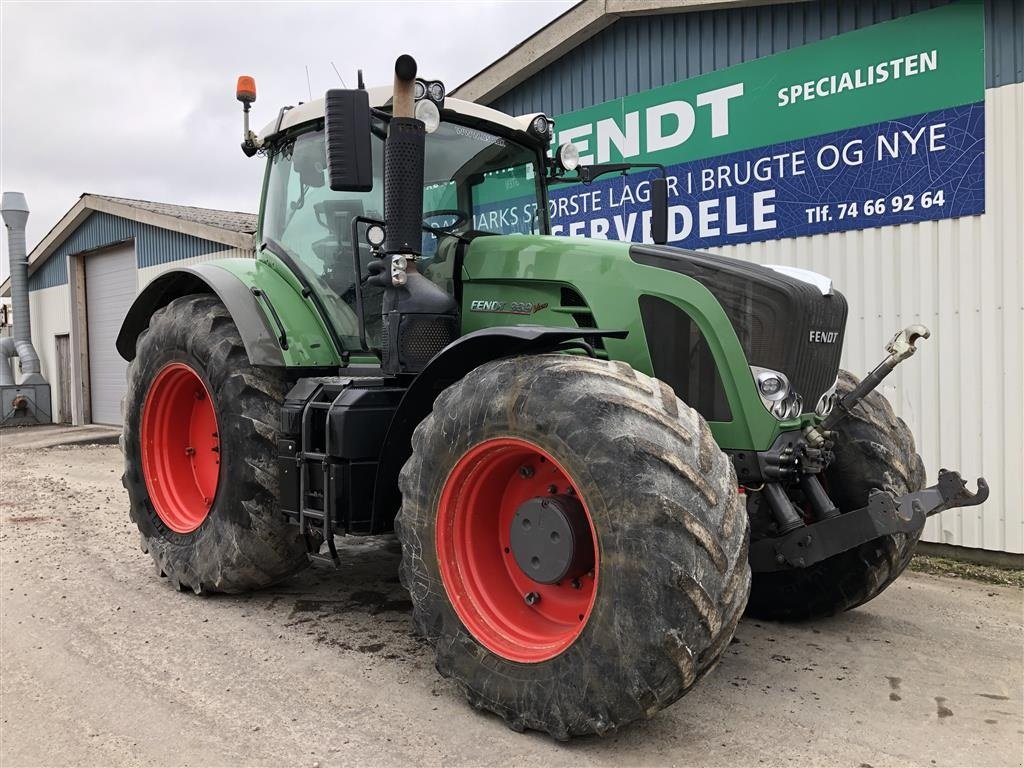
[(380, 98)]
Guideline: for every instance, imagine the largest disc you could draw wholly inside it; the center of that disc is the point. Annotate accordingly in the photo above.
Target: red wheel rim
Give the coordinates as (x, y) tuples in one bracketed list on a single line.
[(180, 447), (483, 581)]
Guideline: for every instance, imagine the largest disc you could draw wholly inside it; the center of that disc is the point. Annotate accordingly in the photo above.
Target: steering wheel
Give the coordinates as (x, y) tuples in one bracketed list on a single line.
[(460, 218)]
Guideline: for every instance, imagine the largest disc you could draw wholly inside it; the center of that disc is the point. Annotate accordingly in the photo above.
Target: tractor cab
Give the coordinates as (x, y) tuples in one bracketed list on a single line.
[(483, 174)]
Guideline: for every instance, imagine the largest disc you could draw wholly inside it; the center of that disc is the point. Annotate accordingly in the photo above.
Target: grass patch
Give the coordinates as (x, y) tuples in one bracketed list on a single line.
[(987, 574)]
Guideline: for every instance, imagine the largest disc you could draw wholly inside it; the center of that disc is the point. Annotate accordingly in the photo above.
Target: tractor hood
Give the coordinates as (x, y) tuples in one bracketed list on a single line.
[(787, 320), (701, 342)]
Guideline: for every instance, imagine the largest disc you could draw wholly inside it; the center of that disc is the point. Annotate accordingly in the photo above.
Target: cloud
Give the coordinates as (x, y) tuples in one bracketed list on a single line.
[(137, 99)]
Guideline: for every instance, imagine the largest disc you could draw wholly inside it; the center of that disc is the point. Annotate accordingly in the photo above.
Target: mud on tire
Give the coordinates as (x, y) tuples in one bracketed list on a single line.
[(874, 449), (244, 543), (672, 540)]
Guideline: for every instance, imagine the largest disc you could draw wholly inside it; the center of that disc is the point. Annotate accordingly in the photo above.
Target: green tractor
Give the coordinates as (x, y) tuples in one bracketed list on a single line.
[(595, 455)]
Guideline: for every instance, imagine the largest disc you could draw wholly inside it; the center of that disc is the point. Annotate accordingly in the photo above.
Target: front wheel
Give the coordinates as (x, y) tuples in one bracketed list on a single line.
[(874, 449), (573, 543), (199, 446)]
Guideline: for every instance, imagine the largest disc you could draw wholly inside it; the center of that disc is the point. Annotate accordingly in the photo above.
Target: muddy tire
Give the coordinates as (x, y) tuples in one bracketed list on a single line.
[(874, 449), (669, 576), (199, 442)]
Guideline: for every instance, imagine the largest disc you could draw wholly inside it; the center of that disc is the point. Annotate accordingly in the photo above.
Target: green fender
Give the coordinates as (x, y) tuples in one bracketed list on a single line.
[(279, 326)]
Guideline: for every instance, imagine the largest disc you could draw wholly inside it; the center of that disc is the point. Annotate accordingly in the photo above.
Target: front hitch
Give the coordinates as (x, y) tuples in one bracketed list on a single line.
[(900, 347), (883, 515)]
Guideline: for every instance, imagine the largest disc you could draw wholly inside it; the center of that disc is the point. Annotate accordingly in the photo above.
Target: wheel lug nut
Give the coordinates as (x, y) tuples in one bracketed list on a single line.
[(190, 451), (526, 471), (532, 598), (552, 489)]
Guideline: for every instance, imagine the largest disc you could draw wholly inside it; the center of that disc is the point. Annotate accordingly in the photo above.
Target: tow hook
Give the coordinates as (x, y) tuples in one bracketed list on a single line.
[(902, 346)]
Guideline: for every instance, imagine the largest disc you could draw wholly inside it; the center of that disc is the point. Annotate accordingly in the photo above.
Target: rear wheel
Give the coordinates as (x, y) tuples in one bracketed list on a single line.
[(572, 541), (874, 449), (199, 446)]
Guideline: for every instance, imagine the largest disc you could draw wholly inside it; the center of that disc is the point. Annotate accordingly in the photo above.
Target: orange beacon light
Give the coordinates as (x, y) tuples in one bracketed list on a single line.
[(245, 91)]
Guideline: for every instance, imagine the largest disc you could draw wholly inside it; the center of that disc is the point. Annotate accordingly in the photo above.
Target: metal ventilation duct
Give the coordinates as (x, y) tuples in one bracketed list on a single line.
[(28, 402)]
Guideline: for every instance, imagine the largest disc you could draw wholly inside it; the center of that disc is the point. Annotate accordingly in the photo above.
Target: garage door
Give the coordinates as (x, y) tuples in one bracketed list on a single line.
[(110, 286)]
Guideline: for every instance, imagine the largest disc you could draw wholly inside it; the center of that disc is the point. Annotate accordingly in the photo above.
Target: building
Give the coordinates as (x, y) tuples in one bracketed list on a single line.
[(876, 141), (84, 275)]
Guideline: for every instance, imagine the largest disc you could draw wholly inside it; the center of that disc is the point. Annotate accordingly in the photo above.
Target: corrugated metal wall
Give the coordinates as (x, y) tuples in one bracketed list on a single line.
[(638, 53), (963, 393), (153, 245)]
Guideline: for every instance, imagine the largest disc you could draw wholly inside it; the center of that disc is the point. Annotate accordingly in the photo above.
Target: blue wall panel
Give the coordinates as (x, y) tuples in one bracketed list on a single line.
[(153, 245), (637, 53)]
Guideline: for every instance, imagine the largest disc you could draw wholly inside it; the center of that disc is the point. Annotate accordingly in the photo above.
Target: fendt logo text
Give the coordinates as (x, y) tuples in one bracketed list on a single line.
[(823, 337), (505, 307)]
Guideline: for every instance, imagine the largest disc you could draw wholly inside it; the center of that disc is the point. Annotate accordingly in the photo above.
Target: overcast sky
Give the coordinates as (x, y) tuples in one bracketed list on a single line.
[(137, 99)]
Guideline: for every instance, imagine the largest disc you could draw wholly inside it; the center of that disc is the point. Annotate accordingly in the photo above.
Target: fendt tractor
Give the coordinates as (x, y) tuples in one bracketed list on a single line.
[(594, 454)]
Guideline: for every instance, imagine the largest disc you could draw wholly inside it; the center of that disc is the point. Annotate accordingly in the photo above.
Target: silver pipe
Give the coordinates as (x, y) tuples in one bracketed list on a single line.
[(7, 351), (15, 215)]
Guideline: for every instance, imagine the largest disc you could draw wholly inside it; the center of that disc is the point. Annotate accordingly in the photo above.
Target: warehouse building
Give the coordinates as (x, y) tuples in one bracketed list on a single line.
[(878, 142), (84, 275)]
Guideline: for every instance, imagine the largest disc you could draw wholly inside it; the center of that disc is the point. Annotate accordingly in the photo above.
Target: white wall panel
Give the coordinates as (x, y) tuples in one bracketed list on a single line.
[(49, 310), (962, 393)]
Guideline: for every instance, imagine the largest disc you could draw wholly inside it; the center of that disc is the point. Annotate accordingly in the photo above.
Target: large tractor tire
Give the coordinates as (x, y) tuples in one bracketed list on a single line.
[(199, 442), (874, 449), (573, 543)]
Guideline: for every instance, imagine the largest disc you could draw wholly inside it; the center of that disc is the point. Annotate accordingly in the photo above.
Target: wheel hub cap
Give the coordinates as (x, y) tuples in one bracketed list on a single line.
[(550, 539), (180, 447)]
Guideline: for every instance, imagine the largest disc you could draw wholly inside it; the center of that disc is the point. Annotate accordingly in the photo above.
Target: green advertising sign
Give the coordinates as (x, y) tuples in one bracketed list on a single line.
[(884, 125), (921, 63)]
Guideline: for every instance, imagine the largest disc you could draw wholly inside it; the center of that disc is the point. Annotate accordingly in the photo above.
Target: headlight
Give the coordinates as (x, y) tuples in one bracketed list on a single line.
[(426, 111), (828, 400), (772, 385), (777, 394), (540, 127), (789, 408), (375, 235), (568, 156), (435, 90), (419, 90)]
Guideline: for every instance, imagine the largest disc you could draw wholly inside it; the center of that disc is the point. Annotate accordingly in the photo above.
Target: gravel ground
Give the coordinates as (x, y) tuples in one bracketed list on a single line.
[(104, 664)]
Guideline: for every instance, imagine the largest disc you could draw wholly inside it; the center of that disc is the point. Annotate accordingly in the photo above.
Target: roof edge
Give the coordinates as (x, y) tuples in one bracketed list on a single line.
[(88, 203), (571, 29), (166, 221)]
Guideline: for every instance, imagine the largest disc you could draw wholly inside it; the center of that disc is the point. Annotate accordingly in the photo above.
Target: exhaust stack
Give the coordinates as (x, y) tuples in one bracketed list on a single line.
[(419, 319), (28, 402)]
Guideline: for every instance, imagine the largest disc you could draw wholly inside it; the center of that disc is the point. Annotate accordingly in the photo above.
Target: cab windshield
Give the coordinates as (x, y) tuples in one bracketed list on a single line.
[(474, 181)]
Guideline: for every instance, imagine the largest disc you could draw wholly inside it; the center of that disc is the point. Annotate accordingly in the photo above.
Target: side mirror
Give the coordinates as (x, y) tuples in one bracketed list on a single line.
[(347, 138), (659, 210)]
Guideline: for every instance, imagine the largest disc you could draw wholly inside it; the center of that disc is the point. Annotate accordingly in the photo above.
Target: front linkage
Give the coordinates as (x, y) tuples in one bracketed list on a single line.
[(802, 458), (883, 515)]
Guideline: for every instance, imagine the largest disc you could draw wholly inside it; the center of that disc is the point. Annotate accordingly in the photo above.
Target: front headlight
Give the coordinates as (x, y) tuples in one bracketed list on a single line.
[(789, 408), (777, 393), (828, 400)]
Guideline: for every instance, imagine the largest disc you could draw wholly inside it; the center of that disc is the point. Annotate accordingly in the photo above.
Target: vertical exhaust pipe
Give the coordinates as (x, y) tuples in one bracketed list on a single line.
[(419, 319), (15, 215)]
